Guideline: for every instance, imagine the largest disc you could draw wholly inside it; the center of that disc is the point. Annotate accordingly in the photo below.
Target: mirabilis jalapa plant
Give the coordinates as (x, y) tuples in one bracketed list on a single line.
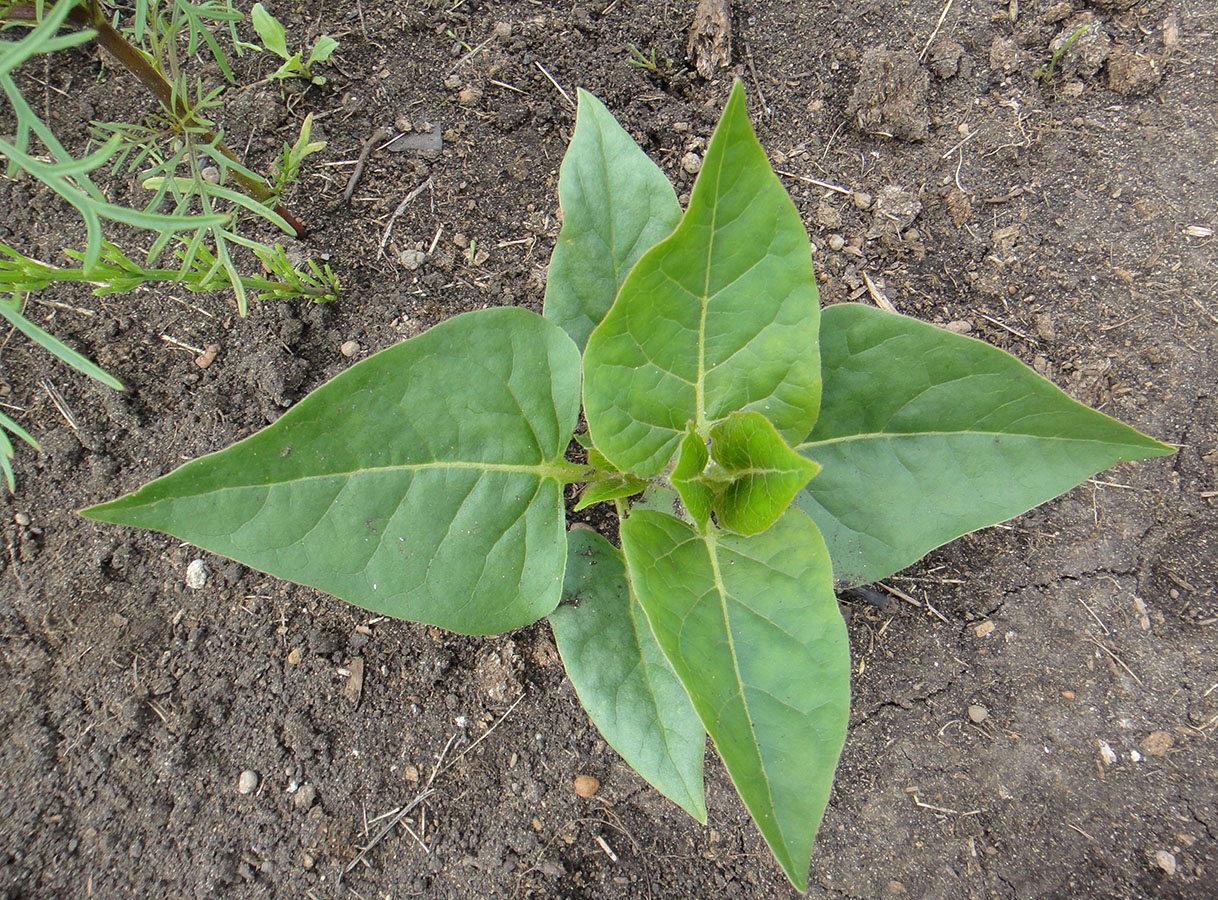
[(427, 482)]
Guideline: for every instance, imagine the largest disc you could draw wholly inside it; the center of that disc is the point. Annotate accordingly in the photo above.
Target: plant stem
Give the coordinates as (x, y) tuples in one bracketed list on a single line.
[(112, 40)]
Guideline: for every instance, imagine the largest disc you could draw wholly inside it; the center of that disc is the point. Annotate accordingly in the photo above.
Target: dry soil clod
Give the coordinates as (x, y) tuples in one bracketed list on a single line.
[(586, 785), (890, 97)]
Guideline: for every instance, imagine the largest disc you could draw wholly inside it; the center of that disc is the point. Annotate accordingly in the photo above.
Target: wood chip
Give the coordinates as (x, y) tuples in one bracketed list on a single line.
[(710, 37), (354, 687)]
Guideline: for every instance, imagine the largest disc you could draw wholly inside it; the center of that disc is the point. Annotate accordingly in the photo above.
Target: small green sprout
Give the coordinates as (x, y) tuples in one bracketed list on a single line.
[(1045, 73), (274, 37), (643, 61)]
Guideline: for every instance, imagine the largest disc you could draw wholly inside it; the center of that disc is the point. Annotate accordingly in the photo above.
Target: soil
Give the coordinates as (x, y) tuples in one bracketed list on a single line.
[(1042, 726)]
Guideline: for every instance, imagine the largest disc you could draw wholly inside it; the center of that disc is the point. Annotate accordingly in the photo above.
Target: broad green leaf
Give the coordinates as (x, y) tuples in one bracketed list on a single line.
[(622, 678), (686, 477), (765, 473), (721, 316), (323, 47), (424, 482), (926, 435), (616, 204), (752, 629), (268, 28)]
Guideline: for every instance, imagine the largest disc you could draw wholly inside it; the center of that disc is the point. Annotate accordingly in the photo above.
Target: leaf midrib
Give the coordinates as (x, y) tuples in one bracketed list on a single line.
[(890, 435), (711, 542), (556, 469)]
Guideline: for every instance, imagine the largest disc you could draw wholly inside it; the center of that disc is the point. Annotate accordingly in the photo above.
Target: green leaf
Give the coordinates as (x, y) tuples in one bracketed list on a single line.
[(616, 203), (424, 482), (721, 316), (752, 629), (622, 678), (926, 435), (323, 47), (613, 485), (268, 28), (765, 473), (695, 493)]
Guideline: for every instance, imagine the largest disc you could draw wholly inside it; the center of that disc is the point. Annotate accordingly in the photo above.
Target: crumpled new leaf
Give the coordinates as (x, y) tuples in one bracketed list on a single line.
[(752, 629), (926, 435), (424, 482), (622, 679), (721, 316), (763, 473), (616, 203)]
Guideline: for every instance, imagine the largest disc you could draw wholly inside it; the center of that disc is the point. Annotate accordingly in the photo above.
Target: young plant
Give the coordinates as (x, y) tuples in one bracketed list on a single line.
[(274, 37), (177, 153), (755, 448)]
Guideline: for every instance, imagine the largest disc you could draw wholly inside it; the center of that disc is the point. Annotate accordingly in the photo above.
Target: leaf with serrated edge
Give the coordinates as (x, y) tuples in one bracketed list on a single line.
[(622, 678), (766, 474), (424, 482), (926, 435), (616, 203), (752, 629), (721, 316)]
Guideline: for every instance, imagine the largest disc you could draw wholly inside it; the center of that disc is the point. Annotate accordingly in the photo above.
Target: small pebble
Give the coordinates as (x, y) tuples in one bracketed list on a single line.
[(412, 259), (22, 519), (586, 785), (1157, 743), (978, 713), (691, 162), (453, 81), (836, 242), (294, 656), (196, 574), (1165, 861), (861, 199), (305, 796), (1107, 753), (349, 348), (210, 174), (208, 356), (1068, 695), (248, 782)]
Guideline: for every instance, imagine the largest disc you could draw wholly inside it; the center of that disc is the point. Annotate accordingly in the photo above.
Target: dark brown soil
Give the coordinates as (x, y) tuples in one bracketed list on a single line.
[(1065, 221)]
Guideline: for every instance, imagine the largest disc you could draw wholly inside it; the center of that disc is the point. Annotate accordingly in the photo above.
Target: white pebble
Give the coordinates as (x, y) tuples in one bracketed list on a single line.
[(836, 242), (691, 163), (349, 348), (248, 782), (196, 574), (1165, 861), (1107, 753), (412, 259), (978, 713)]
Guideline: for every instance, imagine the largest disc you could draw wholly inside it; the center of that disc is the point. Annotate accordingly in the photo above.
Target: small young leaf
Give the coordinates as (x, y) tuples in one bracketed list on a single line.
[(927, 435), (613, 484), (269, 29), (622, 678), (765, 473), (695, 493), (616, 204), (323, 47), (721, 316), (424, 482), (751, 627)]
